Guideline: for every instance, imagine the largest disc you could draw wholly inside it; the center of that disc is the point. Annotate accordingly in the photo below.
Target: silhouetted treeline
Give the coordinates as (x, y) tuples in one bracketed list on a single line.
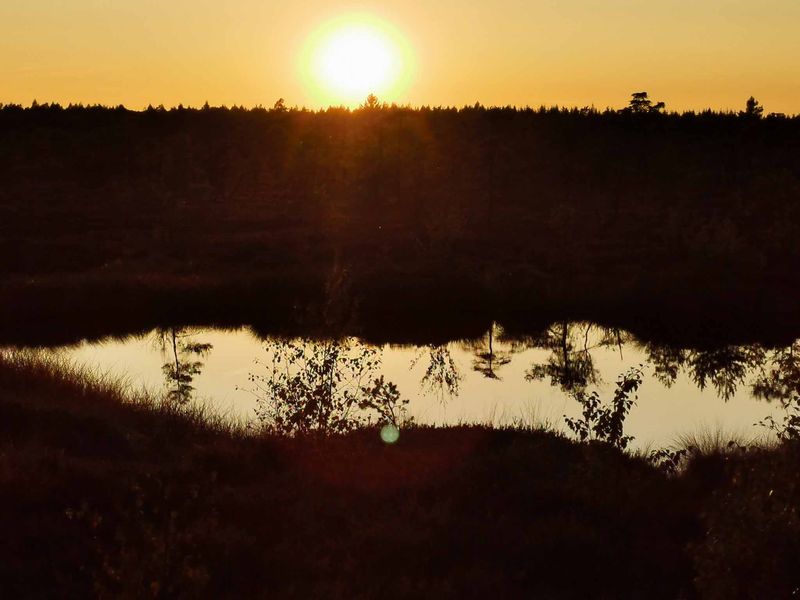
[(499, 212)]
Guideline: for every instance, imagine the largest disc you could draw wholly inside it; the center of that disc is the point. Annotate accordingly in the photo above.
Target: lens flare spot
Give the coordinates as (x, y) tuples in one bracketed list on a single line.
[(390, 434)]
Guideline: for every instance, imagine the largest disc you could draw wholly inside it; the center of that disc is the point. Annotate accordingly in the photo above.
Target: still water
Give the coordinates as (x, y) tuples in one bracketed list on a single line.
[(493, 380)]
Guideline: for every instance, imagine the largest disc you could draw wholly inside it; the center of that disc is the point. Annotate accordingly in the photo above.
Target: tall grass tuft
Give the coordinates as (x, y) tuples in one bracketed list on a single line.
[(47, 378)]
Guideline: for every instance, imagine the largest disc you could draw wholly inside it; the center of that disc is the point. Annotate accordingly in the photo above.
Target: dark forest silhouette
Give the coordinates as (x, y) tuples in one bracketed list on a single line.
[(638, 218)]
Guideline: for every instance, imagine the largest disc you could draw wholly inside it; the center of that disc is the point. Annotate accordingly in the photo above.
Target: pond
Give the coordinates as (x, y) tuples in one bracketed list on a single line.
[(494, 380)]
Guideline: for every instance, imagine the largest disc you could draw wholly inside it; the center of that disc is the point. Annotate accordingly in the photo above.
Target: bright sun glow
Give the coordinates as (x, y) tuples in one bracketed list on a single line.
[(352, 57)]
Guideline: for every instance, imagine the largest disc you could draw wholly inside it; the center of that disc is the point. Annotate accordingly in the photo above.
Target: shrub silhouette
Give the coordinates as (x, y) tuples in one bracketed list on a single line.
[(606, 422), (324, 386)]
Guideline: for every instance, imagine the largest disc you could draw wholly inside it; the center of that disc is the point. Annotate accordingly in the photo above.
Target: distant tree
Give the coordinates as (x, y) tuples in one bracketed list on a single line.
[(753, 110), (640, 103), (371, 102), (279, 106)]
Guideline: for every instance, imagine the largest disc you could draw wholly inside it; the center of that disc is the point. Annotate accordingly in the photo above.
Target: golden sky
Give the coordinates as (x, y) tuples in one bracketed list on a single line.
[(692, 54)]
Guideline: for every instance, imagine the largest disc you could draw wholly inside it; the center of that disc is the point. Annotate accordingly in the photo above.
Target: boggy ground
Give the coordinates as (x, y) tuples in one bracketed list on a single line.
[(112, 494)]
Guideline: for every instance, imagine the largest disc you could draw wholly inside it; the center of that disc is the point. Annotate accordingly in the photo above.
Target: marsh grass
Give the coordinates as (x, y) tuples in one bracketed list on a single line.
[(707, 440), (52, 377), (107, 490)]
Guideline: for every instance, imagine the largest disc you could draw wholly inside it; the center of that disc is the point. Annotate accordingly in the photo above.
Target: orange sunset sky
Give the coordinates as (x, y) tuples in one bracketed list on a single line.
[(693, 54)]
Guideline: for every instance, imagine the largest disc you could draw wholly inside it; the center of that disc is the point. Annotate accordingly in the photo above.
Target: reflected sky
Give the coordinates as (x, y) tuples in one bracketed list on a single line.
[(505, 394)]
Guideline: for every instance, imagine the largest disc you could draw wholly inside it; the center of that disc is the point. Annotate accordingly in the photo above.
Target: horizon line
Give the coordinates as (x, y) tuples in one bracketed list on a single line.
[(280, 106)]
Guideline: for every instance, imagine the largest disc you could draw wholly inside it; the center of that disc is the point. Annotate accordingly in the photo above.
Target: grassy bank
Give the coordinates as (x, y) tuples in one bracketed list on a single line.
[(109, 492)]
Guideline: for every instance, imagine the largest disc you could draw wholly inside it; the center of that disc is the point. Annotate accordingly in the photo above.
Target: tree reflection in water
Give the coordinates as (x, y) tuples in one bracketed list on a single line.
[(442, 377), (667, 362), (570, 365), (773, 374), (487, 361), (182, 354), (329, 386), (780, 380), (724, 368), (336, 385)]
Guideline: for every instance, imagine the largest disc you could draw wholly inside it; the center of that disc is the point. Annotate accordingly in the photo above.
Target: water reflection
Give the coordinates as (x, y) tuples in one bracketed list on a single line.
[(314, 385), (183, 354), (780, 379), (570, 365), (308, 384), (329, 386), (724, 368), (487, 360), (442, 378)]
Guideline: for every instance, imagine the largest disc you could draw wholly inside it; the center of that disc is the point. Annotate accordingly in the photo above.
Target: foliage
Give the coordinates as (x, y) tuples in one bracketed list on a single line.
[(605, 422), (329, 387), (670, 460), (780, 379), (787, 430)]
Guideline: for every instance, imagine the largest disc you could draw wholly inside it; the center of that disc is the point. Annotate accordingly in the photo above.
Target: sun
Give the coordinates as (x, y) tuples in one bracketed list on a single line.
[(351, 57)]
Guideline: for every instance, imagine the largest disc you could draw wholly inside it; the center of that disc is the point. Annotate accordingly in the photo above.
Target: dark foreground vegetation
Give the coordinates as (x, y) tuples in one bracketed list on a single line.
[(106, 493), (384, 219)]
